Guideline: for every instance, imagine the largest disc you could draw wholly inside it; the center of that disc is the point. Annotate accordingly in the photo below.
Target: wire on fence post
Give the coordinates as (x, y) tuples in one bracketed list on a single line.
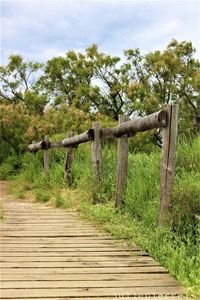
[(168, 162)]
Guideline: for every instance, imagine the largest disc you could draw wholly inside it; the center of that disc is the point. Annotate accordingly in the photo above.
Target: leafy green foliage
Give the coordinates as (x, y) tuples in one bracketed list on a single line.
[(42, 196), (61, 201), (13, 121), (67, 79), (171, 76), (18, 84), (38, 100), (9, 167)]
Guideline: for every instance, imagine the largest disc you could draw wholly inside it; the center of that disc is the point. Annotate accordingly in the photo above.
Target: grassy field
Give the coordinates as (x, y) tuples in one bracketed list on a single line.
[(176, 246)]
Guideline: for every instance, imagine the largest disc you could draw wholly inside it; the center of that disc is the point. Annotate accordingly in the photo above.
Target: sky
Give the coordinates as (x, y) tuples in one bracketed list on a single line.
[(40, 30)]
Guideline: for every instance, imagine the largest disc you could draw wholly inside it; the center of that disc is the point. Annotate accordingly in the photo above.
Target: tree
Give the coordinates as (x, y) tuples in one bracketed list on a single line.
[(19, 84), (91, 81), (68, 79), (171, 76), (14, 121), (111, 78)]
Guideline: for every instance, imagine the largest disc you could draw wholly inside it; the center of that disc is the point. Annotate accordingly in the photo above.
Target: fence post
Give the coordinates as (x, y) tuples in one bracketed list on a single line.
[(46, 156), (168, 161), (122, 165), (96, 159), (32, 153), (68, 162)]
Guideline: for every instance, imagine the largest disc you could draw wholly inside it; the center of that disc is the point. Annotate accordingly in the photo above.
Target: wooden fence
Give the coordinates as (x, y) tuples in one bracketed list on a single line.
[(166, 119)]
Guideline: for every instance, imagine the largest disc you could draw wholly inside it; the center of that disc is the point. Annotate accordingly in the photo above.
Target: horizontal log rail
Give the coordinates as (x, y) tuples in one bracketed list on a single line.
[(72, 141), (79, 139), (139, 124), (166, 119)]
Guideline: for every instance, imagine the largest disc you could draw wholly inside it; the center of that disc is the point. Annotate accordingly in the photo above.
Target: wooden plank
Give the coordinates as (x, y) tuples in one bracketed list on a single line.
[(78, 264), (61, 223), (52, 229), (96, 160), (74, 240), (86, 284), (122, 165), (49, 234), (134, 255), (66, 245), (52, 233), (86, 277), (91, 292), (64, 249), (42, 213), (113, 298), (85, 270), (43, 216), (59, 247), (41, 219), (76, 258), (116, 254), (168, 161)]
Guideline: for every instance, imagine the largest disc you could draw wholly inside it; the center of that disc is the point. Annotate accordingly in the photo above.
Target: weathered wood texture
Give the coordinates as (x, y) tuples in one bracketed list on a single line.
[(155, 120), (46, 156), (139, 124), (68, 162), (168, 161), (72, 141), (43, 265), (78, 139), (96, 159), (35, 146), (122, 165)]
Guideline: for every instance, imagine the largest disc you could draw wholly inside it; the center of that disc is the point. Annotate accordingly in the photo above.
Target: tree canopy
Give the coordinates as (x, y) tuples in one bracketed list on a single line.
[(91, 83)]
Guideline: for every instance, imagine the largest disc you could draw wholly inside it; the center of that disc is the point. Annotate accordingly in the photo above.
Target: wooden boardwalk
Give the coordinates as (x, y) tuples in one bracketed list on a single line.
[(49, 253)]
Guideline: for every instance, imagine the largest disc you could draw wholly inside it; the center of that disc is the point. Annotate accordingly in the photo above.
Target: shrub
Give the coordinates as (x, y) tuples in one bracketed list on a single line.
[(10, 167), (64, 202), (42, 196)]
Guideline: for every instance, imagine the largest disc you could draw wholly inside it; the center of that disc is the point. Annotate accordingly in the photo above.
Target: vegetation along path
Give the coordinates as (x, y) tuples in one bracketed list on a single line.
[(49, 253)]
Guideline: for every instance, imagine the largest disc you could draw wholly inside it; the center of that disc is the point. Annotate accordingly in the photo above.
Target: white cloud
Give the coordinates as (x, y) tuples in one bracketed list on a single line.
[(41, 29)]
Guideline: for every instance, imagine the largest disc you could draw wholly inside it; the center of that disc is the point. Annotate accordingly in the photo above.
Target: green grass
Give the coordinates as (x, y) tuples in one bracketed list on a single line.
[(64, 202), (179, 255), (175, 246), (42, 196)]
